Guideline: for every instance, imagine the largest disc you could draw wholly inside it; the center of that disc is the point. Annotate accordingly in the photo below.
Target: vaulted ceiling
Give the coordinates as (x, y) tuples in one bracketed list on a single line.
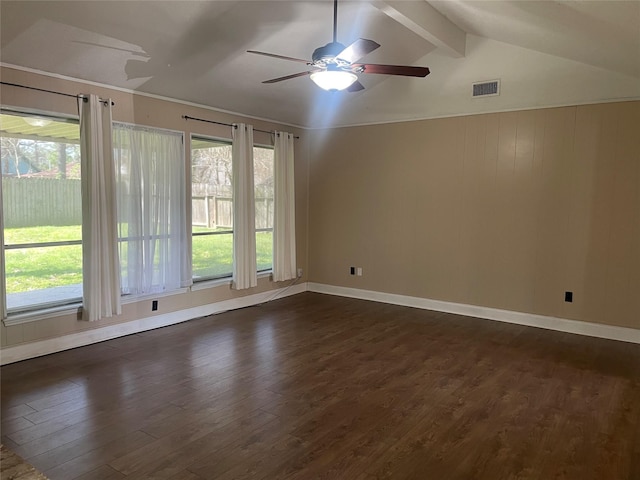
[(545, 53)]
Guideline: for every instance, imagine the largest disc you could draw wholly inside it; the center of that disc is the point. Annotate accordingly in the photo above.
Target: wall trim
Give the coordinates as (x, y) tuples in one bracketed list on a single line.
[(423, 118), (52, 345), (610, 332)]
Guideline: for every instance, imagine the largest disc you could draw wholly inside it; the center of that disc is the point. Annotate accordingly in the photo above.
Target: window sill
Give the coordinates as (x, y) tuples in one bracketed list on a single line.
[(42, 314), (76, 308), (217, 282), (127, 299)]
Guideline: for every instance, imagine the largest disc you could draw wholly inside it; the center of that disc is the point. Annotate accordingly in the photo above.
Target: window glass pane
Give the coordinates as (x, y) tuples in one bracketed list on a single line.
[(211, 209), (42, 210), (263, 178)]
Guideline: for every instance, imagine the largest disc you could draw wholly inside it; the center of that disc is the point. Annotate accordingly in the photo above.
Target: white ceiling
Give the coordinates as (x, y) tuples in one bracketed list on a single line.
[(545, 53)]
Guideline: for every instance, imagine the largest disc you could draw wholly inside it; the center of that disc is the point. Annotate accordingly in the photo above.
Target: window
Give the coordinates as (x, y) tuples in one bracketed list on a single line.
[(42, 210), (263, 179), (150, 193), (211, 209)]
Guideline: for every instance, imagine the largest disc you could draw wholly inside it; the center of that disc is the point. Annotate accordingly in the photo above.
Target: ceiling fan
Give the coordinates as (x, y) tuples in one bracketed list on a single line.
[(334, 66)]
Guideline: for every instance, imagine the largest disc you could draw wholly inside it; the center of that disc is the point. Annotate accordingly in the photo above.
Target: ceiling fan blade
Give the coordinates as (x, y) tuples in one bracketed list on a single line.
[(281, 57), (288, 77), (357, 50), (404, 70), (355, 87)]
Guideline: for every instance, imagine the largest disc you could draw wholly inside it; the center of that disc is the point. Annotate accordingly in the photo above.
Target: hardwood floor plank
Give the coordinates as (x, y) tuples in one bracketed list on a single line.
[(108, 434), (86, 463), (54, 426), (185, 475), (163, 460), (77, 401), (218, 441), (104, 472), (321, 387), (92, 423), (15, 424), (15, 411), (33, 389), (11, 445), (99, 400), (254, 461)]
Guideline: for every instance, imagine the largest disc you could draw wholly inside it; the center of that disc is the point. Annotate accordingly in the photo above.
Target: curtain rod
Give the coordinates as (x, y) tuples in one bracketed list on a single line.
[(84, 99), (187, 117)]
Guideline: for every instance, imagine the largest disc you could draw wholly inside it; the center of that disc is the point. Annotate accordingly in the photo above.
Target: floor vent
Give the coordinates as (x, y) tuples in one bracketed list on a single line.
[(486, 89)]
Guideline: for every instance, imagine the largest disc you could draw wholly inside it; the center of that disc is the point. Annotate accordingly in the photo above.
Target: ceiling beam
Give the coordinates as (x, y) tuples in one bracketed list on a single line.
[(423, 19)]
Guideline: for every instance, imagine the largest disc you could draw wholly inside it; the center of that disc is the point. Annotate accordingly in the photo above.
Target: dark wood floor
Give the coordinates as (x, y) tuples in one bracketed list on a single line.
[(314, 386)]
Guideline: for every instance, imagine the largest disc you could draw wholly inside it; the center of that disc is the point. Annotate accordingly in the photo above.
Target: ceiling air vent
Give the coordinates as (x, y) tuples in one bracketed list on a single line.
[(486, 89)]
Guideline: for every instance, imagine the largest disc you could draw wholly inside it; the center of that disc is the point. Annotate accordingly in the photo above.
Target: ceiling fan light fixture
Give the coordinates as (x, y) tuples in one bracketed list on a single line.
[(334, 79)]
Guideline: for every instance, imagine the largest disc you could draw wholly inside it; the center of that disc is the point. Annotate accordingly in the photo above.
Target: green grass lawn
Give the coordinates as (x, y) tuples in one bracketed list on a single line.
[(45, 267)]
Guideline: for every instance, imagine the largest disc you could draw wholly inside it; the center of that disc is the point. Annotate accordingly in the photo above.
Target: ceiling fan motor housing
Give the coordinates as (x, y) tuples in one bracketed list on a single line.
[(326, 55)]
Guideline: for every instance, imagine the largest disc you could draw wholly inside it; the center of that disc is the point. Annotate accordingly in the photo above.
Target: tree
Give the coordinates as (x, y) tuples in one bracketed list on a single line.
[(212, 167), (11, 154), (62, 160)]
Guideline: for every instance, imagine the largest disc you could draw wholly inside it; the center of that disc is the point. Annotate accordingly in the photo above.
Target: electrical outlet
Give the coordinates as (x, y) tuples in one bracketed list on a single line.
[(300, 273), (568, 297), (154, 305), (359, 271), (352, 270)]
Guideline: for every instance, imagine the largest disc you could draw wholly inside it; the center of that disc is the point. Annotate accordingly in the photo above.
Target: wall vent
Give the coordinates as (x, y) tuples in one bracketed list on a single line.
[(486, 89)]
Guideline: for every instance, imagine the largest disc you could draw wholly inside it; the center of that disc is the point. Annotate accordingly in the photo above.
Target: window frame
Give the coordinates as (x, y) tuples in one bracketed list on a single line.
[(34, 312), (222, 278), (206, 281), (134, 297), (258, 230)]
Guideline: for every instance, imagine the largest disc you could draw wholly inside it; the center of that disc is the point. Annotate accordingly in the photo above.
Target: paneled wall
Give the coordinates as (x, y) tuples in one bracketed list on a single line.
[(506, 210)]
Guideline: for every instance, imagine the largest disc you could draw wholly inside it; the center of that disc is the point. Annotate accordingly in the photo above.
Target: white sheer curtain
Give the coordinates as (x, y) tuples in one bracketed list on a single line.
[(150, 172), (284, 219), (101, 275), (244, 224)]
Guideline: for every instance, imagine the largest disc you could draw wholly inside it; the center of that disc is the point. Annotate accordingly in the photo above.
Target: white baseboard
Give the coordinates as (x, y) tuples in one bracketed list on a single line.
[(44, 347), (550, 323)]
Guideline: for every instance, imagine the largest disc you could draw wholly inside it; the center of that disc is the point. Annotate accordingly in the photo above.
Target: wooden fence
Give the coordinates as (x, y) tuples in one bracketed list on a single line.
[(30, 202), (213, 212)]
